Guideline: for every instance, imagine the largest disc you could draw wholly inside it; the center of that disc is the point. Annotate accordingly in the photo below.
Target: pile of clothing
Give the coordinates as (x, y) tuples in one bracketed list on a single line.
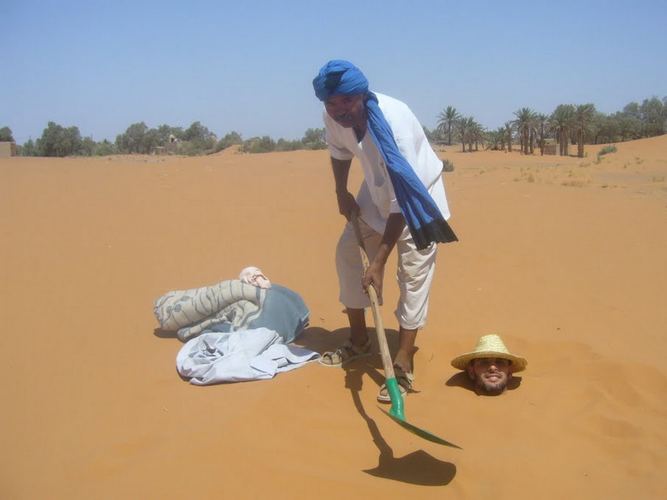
[(235, 330)]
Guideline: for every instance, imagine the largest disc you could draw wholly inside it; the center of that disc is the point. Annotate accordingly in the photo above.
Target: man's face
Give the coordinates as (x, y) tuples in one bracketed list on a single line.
[(346, 110), (490, 374)]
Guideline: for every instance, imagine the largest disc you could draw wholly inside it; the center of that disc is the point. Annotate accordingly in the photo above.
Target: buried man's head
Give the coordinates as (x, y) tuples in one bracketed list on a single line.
[(490, 365)]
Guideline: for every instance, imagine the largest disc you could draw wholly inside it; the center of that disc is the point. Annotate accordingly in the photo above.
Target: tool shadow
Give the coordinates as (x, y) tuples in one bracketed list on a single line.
[(418, 467)]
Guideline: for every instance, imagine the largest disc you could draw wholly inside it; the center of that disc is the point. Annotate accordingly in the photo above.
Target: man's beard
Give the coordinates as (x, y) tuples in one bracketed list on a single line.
[(493, 388)]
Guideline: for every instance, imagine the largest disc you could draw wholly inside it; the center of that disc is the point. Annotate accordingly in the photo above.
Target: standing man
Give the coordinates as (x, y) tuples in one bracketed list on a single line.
[(401, 203)]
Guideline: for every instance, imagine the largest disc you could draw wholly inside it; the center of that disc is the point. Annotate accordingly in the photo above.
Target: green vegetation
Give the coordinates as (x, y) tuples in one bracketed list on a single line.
[(447, 166), (59, 141), (258, 145), (469, 132), (567, 125), (446, 120), (583, 120), (562, 120), (525, 127), (606, 150), (138, 138), (6, 135), (231, 139), (312, 139)]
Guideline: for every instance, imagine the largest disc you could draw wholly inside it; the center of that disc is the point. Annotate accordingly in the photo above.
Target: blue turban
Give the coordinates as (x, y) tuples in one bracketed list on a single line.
[(421, 214), (339, 78)]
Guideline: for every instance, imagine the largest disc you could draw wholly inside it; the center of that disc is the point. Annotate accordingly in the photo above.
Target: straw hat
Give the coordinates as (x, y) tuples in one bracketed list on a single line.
[(490, 346)]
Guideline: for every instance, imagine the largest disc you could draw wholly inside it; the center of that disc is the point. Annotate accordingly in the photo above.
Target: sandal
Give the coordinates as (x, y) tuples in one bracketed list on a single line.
[(405, 382), (345, 353)]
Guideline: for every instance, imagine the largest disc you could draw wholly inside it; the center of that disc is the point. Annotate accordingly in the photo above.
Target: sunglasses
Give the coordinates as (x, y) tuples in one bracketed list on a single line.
[(497, 362)]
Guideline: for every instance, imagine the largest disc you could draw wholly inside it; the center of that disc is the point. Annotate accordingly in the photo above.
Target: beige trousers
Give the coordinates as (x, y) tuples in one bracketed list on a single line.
[(414, 273)]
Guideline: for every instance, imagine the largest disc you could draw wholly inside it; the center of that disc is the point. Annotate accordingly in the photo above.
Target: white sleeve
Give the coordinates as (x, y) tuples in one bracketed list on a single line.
[(336, 148)]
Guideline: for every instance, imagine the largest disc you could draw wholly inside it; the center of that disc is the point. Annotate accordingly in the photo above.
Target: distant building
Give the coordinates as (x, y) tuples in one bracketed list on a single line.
[(7, 149), (172, 146)]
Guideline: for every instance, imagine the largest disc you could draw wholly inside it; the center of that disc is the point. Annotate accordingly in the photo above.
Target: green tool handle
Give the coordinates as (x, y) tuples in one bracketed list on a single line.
[(389, 375)]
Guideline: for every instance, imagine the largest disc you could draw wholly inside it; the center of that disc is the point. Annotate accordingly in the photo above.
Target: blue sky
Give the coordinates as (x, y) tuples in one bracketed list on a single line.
[(248, 65)]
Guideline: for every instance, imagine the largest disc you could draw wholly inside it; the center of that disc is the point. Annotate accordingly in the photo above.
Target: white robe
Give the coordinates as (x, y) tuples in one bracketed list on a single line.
[(256, 354)]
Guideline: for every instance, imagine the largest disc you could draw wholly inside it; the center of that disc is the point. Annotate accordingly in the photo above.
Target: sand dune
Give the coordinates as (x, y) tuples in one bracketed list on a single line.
[(564, 257)]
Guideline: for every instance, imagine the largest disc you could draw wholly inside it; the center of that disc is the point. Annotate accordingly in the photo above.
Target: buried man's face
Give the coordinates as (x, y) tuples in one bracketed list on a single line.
[(346, 110), (490, 374)]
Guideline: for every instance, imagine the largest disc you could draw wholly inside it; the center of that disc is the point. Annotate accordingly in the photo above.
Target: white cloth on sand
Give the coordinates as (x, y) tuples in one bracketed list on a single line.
[(237, 356)]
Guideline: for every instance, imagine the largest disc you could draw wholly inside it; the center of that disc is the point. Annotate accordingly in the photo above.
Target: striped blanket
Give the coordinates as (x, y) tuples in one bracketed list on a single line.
[(191, 312)]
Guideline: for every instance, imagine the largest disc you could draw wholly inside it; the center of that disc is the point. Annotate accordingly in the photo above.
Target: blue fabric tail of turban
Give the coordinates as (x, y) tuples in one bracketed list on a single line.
[(421, 214)]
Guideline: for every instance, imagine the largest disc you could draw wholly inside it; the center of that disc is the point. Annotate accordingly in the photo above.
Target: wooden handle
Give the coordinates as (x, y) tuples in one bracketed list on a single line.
[(375, 305)]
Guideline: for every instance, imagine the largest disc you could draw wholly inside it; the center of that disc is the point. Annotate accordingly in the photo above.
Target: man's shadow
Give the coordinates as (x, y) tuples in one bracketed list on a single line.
[(418, 467)]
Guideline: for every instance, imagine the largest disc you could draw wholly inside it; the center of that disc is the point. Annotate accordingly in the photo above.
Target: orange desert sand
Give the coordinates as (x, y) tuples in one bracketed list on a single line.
[(564, 257)]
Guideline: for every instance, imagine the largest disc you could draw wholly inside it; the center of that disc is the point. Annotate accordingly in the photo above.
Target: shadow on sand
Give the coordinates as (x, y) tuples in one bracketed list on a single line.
[(164, 334), (418, 467)]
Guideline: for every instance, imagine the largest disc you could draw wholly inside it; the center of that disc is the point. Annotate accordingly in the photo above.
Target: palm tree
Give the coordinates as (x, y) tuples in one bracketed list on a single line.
[(500, 134), (495, 140), (461, 125), (542, 121), (524, 124), (476, 134), (469, 132), (583, 117), (561, 122), (462, 132), (446, 119), (508, 134)]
